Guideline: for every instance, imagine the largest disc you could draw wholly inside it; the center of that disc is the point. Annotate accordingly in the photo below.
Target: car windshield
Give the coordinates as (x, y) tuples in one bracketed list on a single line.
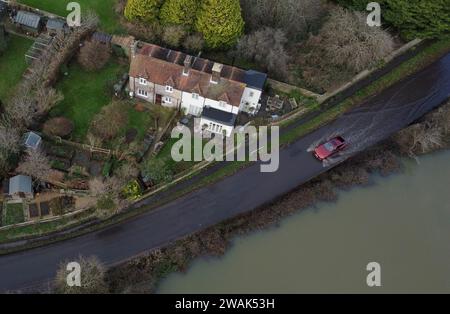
[(329, 146)]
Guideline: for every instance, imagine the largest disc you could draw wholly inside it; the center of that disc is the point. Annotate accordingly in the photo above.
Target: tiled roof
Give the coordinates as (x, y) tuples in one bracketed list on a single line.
[(165, 67)]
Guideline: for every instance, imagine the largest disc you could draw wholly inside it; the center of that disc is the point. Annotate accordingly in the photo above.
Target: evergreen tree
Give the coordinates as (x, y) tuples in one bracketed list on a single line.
[(179, 12), (419, 18), (220, 22), (142, 10)]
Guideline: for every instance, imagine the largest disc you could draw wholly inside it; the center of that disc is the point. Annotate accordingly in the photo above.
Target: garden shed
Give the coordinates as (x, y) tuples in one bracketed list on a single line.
[(28, 21)]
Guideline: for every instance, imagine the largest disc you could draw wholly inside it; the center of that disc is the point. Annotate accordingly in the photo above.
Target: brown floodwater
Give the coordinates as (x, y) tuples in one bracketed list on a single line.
[(402, 222)]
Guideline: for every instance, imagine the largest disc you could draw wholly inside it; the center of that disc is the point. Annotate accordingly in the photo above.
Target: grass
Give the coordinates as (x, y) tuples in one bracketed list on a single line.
[(85, 93), (13, 214), (12, 64), (44, 228), (109, 21), (141, 121)]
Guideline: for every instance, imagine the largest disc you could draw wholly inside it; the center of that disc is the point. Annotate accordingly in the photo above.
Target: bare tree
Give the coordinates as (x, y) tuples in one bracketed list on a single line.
[(20, 109), (46, 99), (266, 47), (92, 277), (35, 164), (97, 186), (10, 140), (94, 55), (349, 41), (10, 145), (295, 17)]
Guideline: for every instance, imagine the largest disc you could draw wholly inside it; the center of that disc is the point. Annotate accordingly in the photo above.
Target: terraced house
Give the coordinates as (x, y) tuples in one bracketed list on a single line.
[(217, 93)]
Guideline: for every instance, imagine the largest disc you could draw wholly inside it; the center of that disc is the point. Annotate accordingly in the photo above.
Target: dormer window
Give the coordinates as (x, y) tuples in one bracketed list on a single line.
[(169, 89), (143, 81), (195, 96)]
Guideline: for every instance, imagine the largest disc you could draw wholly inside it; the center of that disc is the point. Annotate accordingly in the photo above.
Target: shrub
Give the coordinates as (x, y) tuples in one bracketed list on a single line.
[(156, 170), (59, 126), (94, 55), (110, 121), (56, 206), (132, 190), (173, 35), (92, 278), (194, 43)]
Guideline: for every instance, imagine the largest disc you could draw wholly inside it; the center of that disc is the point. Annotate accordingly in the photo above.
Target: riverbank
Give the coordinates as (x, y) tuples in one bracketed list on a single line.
[(143, 274)]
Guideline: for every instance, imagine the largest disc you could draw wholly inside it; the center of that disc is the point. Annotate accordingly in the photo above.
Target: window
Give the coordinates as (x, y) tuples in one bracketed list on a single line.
[(142, 93), (143, 81), (222, 103), (169, 89), (167, 99), (195, 96), (252, 94)]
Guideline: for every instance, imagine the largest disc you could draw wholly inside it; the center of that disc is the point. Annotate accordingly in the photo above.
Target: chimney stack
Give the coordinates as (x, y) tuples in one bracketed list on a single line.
[(216, 71), (187, 65)]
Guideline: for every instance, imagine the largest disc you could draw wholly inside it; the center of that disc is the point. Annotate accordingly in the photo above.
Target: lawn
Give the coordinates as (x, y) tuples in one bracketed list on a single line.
[(104, 9), (85, 93), (13, 214), (12, 64)]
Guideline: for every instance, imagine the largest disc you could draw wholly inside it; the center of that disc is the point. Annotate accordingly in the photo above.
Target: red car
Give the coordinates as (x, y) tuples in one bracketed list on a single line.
[(330, 148)]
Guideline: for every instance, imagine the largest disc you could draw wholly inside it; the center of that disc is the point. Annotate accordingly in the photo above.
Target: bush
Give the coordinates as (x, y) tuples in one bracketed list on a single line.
[(94, 55), (56, 206), (133, 190), (110, 121), (194, 43), (92, 277), (173, 35), (59, 126), (156, 170)]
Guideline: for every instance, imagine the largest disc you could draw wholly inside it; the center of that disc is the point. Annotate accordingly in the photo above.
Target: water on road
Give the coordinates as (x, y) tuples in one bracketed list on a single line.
[(402, 222)]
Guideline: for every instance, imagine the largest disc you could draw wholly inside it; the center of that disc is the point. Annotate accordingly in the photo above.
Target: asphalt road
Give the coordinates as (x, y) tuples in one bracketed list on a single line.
[(364, 126)]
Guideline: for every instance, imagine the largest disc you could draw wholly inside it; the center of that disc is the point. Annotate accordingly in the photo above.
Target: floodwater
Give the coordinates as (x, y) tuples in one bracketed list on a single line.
[(401, 222)]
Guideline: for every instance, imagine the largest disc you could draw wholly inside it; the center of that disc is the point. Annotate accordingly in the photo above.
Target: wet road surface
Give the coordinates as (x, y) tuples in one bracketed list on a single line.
[(364, 126)]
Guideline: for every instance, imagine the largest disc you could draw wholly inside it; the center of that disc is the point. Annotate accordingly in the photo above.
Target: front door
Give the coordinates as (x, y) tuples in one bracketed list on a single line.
[(158, 100)]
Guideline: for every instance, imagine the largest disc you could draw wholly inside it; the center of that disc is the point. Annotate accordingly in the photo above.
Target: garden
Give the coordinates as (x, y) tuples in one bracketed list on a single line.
[(12, 64), (12, 214), (104, 8)]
